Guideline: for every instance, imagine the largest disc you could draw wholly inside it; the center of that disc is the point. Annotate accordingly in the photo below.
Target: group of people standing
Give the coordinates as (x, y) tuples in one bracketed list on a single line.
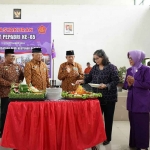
[(35, 73), (104, 73)]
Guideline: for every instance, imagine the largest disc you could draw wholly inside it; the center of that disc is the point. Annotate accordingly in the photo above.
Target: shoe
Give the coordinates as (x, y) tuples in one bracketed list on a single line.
[(94, 148), (106, 142), (132, 147)]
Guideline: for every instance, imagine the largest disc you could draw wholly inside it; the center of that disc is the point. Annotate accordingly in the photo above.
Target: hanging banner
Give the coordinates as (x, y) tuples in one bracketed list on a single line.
[(22, 37)]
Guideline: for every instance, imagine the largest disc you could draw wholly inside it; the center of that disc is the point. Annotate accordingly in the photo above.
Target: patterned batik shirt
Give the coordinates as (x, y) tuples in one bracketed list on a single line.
[(66, 78), (9, 73), (36, 74)]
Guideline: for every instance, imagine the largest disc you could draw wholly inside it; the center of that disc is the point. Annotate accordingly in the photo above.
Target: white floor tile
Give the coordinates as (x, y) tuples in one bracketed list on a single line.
[(120, 137)]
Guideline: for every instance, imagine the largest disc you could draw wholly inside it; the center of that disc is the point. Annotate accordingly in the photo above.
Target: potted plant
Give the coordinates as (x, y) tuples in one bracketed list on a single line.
[(121, 73)]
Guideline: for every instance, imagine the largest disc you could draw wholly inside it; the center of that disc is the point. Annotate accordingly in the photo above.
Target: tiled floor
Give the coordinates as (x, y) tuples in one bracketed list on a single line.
[(120, 137)]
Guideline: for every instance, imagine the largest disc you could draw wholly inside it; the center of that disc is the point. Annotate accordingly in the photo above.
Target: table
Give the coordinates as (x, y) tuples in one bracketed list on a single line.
[(53, 125)]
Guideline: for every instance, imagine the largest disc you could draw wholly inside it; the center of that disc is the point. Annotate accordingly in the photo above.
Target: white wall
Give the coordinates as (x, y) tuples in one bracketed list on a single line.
[(115, 29), (70, 2), (146, 2), (78, 2)]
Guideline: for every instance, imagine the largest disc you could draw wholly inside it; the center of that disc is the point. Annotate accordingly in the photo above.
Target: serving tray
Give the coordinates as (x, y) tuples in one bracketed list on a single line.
[(78, 98)]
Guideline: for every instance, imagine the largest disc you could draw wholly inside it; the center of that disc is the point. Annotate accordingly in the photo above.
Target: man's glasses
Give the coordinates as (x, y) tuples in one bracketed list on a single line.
[(11, 56)]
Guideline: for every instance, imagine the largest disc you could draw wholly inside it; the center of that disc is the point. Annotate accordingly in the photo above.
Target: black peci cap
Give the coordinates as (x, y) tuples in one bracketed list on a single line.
[(71, 52), (36, 50), (9, 51)]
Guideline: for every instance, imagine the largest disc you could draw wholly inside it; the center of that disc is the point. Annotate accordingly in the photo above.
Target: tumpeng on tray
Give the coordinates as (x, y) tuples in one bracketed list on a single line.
[(25, 93)]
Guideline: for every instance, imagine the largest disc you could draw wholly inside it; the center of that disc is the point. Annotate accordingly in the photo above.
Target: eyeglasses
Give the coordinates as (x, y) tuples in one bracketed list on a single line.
[(70, 57), (38, 54), (11, 56), (130, 58), (96, 58)]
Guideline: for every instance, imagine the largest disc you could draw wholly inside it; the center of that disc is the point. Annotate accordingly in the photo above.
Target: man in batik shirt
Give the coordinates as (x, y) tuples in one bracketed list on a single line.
[(69, 72), (9, 73), (36, 71)]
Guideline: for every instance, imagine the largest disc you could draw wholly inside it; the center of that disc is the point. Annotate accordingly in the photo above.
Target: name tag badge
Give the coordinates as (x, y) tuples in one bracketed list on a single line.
[(75, 68), (34, 67), (6, 68), (17, 69)]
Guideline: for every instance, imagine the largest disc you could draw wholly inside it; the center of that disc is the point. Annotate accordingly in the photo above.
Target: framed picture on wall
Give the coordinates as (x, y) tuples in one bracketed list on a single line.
[(17, 13), (68, 28)]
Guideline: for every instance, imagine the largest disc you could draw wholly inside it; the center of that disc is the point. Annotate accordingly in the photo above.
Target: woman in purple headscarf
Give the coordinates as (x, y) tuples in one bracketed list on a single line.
[(137, 83)]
